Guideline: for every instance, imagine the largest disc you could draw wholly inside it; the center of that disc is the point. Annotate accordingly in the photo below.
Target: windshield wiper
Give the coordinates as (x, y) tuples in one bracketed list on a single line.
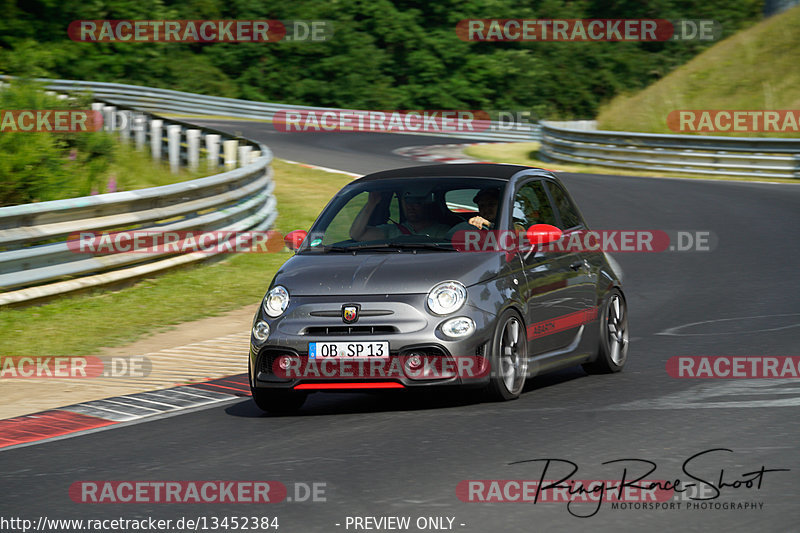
[(447, 247), (351, 248), (389, 246)]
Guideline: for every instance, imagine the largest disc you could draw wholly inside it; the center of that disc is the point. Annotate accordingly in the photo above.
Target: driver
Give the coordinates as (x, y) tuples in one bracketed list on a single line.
[(420, 219), (487, 201)]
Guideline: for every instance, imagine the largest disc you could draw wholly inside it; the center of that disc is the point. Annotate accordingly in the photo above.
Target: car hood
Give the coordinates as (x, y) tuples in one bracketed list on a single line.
[(384, 273)]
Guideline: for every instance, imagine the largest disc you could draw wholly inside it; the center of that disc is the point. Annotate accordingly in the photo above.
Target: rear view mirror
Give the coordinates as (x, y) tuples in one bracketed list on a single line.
[(295, 238)]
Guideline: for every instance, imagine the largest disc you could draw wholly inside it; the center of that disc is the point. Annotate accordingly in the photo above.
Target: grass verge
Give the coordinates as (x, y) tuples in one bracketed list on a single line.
[(81, 324), (133, 170), (528, 154)]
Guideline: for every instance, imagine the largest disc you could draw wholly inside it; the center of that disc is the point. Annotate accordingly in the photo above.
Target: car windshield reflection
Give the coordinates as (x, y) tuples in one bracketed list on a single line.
[(405, 214)]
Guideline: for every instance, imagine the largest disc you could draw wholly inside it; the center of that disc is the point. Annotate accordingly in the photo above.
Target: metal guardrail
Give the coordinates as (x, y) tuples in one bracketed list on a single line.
[(177, 102), (37, 262), (561, 142), (690, 154)]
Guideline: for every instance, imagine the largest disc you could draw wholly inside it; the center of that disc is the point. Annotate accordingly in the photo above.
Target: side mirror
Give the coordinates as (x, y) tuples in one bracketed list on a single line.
[(540, 234), (295, 238)]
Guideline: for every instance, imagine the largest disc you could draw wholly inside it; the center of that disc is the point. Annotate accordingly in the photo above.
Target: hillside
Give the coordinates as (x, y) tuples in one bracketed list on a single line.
[(757, 68)]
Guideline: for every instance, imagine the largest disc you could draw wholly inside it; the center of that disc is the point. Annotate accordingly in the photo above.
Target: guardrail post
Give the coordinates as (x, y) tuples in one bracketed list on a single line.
[(139, 125), (155, 138), (97, 107), (174, 147), (192, 148), (212, 150), (255, 154), (109, 118), (244, 155), (125, 125), (229, 153)]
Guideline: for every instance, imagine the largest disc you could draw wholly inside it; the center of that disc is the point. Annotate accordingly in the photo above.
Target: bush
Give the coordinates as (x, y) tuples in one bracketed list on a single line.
[(40, 166)]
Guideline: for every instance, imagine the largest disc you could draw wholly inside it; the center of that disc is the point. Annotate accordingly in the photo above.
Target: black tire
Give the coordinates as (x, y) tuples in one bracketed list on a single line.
[(612, 351), (278, 401), (509, 351)]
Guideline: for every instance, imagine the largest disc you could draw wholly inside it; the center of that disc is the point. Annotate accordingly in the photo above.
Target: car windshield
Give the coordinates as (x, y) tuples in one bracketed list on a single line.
[(397, 214)]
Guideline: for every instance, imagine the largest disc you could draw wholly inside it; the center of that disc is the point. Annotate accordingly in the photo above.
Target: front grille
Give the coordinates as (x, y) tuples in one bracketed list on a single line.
[(337, 313), (349, 330)]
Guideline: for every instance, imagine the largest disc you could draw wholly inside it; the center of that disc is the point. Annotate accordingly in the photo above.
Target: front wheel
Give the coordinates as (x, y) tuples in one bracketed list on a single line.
[(276, 401), (509, 358), (613, 349)]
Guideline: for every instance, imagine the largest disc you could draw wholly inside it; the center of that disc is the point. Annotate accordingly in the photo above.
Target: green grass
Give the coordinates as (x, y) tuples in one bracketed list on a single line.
[(754, 69), (528, 154), (79, 325), (138, 170)]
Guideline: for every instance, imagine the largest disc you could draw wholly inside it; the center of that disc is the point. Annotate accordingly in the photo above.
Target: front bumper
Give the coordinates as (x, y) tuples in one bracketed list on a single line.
[(400, 320)]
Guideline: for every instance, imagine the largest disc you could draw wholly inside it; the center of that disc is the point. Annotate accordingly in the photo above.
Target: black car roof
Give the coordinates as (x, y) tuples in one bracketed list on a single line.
[(461, 170)]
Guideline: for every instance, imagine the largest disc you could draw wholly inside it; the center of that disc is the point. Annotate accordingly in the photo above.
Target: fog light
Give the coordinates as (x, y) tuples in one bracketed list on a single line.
[(459, 327), (414, 361), (284, 362), (261, 331)]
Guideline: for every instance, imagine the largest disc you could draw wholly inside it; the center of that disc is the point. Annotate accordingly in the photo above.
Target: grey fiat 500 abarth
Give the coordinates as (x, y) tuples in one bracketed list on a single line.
[(432, 276)]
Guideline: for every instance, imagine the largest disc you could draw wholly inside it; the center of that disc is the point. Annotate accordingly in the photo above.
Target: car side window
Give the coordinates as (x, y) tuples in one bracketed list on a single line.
[(569, 213), (531, 206), (460, 200)]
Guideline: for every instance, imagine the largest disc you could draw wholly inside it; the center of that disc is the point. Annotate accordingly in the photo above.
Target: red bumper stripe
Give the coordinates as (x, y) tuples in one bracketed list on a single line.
[(324, 386)]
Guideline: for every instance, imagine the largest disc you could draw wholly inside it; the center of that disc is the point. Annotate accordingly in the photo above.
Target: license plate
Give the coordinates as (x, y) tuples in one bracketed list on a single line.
[(348, 350)]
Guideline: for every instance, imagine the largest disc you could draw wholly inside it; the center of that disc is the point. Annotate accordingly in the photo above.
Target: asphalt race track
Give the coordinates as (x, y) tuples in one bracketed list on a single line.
[(399, 455)]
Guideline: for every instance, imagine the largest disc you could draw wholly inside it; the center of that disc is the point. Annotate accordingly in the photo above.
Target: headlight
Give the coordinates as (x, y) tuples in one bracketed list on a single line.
[(261, 331), (447, 297), (275, 301), (458, 327)]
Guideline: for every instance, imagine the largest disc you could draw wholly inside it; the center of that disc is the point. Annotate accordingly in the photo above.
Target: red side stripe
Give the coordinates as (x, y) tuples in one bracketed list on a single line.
[(561, 323)]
